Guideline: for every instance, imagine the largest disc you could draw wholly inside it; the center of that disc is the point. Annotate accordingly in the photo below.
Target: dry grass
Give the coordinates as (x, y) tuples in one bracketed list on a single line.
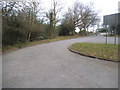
[(105, 51), (17, 46)]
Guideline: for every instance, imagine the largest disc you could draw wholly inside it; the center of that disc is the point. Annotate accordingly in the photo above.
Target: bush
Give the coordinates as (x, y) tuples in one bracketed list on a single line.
[(83, 32), (12, 36), (63, 30), (102, 30)]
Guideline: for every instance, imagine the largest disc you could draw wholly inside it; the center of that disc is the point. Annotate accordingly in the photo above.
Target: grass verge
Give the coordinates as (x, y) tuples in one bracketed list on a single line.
[(103, 51), (27, 44), (112, 35)]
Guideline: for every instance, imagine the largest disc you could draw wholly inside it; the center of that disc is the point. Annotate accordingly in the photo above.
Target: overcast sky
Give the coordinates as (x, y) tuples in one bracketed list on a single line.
[(105, 7)]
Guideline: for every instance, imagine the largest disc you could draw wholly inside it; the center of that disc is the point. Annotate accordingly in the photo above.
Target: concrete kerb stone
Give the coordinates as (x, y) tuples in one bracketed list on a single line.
[(90, 55)]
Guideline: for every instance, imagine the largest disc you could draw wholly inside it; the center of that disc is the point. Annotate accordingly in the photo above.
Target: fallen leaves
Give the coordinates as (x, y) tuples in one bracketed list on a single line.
[(108, 51)]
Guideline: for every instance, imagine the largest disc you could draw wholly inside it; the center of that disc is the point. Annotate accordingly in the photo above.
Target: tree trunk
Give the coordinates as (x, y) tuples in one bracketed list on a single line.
[(29, 35), (87, 31)]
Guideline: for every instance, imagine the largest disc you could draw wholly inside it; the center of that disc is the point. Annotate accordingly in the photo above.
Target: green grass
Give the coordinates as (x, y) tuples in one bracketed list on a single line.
[(10, 48), (105, 51), (112, 35)]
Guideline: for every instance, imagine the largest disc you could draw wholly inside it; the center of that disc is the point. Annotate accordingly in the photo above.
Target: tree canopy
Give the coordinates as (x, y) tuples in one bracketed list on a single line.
[(21, 22)]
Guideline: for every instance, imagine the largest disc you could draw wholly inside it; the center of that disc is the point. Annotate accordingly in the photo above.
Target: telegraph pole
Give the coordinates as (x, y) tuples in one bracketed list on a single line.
[(115, 35), (106, 33)]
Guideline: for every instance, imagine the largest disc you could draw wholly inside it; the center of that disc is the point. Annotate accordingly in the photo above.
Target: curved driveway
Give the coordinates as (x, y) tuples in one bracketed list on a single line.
[(52, 65)]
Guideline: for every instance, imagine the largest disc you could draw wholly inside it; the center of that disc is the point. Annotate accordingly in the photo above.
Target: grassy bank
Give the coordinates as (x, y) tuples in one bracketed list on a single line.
[(17, 46), (105, 51), (112, 35)]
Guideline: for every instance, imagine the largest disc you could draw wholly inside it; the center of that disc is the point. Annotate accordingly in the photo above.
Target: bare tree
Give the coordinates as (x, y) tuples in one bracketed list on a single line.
[(83, 15), (32, 16), (53, 16), (69, 21), (20, 18)]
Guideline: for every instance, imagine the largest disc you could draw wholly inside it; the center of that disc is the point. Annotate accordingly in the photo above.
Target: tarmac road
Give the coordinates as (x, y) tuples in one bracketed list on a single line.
[(52, 65)]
